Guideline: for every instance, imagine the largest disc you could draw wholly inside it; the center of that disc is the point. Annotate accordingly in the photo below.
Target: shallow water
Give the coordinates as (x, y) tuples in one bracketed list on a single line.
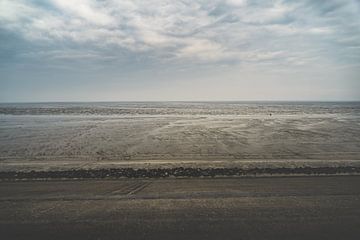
[(181, 108), (176, 131)]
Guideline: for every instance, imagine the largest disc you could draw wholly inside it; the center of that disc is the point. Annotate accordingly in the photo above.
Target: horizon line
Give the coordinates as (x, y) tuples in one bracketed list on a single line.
[(194, 101)]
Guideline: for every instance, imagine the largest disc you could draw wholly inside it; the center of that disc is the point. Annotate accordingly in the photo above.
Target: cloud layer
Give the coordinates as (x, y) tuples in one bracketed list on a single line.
[(246, 33), (204, 30)]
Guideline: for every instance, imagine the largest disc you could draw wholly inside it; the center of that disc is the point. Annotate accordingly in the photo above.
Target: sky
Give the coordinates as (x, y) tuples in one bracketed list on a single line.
[(185, 50)]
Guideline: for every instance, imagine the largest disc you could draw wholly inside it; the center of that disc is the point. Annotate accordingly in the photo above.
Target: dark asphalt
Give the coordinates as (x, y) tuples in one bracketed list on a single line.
[(188, 208)]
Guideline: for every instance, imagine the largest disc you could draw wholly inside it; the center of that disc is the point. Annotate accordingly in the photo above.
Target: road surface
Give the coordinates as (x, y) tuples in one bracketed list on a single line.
[(189, 208)]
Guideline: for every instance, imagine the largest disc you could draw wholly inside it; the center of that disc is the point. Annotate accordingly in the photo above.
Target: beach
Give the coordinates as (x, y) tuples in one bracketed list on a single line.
[(67, 136)]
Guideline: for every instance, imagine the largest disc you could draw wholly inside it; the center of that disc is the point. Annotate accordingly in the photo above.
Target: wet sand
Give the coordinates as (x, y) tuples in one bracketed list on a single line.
[(70, 142), (196, 208), (67, 136)]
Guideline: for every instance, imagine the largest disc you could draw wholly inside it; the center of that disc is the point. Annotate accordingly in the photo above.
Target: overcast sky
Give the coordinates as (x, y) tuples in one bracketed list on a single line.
[(111, 50)]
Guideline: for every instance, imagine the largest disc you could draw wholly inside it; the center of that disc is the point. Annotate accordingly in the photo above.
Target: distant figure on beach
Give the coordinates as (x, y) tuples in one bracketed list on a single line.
[(270, 114)]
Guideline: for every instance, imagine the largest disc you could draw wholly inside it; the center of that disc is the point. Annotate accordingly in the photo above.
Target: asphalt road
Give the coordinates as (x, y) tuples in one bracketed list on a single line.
[(192, 208)]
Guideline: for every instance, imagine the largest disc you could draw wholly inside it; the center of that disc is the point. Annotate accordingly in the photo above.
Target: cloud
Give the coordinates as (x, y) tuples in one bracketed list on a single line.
[(202, 49), (92, 12), (237, 3), (188, 30), (67, 55)]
